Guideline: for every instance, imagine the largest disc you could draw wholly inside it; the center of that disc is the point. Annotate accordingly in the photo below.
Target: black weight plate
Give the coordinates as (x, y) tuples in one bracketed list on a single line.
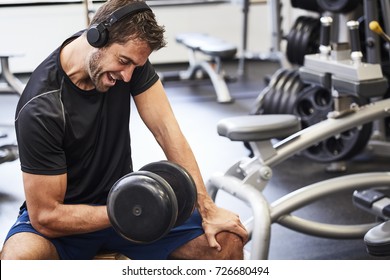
[(343, 147), (313, 106), (182, 184), (338, 6), (266, 100), (309, 39), (268, 92), (277, 80), (290, 47), (293, 40), (288, 91), (291, 92), (280, 92), (274, 95), (284, 91), (141, 207), (301, 40), (309, 5), (265, 96)]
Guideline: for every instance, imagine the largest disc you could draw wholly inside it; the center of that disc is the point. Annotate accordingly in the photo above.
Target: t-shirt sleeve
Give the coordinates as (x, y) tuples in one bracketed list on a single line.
[(39, 129), (143, 78)]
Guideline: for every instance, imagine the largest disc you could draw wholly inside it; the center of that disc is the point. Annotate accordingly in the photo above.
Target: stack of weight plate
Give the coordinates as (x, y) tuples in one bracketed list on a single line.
[(287, 94)]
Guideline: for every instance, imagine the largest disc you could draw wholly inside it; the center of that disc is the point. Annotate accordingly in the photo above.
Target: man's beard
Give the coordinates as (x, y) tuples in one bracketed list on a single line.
[(96, 72)]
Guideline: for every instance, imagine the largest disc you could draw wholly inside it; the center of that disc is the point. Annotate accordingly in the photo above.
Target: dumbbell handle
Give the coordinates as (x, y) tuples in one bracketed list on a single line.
[(356, 53)]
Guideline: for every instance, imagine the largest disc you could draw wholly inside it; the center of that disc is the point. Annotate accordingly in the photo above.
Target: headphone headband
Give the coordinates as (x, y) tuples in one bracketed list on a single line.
[(97, 34), (126, 11)]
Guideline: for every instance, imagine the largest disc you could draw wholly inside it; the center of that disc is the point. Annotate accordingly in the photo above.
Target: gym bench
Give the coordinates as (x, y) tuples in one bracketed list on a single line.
[(12, 83), (217, 50)]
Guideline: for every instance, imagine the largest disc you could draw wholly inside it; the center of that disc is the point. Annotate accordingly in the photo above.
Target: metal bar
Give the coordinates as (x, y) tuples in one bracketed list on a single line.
[(331, 126), (261, 231), (372, 40)]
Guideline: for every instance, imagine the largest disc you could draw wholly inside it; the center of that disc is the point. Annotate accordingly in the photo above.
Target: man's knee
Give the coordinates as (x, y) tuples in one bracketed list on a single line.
[(28, 246), (232, 246), (199, 249)]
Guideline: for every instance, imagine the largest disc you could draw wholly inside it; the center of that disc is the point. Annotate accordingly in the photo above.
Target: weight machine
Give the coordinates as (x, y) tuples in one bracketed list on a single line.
[(291, 91), (247, 178)]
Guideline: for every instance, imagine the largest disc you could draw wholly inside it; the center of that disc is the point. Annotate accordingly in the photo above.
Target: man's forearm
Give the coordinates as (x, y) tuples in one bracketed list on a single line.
[(70, 219)]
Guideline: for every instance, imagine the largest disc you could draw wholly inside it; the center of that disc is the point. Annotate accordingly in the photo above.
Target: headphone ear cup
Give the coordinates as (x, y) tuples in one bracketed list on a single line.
[(96, 37)]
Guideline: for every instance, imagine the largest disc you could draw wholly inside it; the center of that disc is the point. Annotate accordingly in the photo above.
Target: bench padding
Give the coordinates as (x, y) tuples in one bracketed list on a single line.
[(258, 127), (207, 44)]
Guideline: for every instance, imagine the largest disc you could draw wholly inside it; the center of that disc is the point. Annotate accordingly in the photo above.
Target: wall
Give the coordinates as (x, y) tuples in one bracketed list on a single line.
[(35, 31)]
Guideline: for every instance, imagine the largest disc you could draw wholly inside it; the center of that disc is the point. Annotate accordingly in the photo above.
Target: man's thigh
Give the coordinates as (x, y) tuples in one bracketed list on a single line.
[(28, 246), (24, 242), (199, 249), (161, 249)]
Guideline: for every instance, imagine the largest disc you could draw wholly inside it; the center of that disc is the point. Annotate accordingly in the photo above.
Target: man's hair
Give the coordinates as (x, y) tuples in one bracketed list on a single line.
[(141, 26)]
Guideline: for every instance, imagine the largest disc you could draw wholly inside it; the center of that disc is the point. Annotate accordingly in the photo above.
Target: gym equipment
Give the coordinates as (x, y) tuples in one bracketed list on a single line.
[(302, 39), (308, 5), (8, 153), (182, 184), (12, 83), (377, 239), (314, 94), (351, 82), (288, 94), (374, 26), (89, 10), (144, 206), (97, 34), (281, 93), (274, 54), (338, 6), (373, 201), (216, 49), (247, 178)]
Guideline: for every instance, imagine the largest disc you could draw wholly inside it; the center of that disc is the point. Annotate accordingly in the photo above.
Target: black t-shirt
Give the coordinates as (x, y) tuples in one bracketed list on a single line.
[(62, 129)]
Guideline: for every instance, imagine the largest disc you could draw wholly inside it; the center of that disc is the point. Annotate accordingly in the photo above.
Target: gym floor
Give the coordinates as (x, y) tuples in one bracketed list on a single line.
[(198, 113)]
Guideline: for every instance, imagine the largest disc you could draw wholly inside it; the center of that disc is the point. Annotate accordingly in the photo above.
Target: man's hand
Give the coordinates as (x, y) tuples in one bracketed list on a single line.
[(217, 220)]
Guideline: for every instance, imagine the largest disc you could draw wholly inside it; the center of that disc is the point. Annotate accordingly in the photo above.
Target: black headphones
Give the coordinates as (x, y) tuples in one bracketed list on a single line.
[(97, 34)]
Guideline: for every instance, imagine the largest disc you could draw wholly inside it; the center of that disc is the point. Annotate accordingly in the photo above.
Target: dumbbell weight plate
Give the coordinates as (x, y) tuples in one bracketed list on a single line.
[(142, 207), (182, 184)]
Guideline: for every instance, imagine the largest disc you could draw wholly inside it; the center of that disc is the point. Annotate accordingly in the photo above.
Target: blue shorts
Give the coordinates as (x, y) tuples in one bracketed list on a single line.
[(87, 246)]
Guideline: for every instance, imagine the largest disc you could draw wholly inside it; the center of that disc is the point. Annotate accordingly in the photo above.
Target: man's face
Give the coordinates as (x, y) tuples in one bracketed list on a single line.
[(117, 62)]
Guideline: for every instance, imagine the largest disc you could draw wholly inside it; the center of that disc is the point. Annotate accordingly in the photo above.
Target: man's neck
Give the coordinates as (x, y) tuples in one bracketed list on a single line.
[(73, 58)]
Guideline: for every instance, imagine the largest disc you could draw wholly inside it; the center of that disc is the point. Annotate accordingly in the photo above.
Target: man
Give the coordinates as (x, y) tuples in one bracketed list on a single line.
[(72, 126)]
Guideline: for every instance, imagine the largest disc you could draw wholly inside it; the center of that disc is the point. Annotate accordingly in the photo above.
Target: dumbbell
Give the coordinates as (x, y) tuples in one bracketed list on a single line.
[(144, 206)]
